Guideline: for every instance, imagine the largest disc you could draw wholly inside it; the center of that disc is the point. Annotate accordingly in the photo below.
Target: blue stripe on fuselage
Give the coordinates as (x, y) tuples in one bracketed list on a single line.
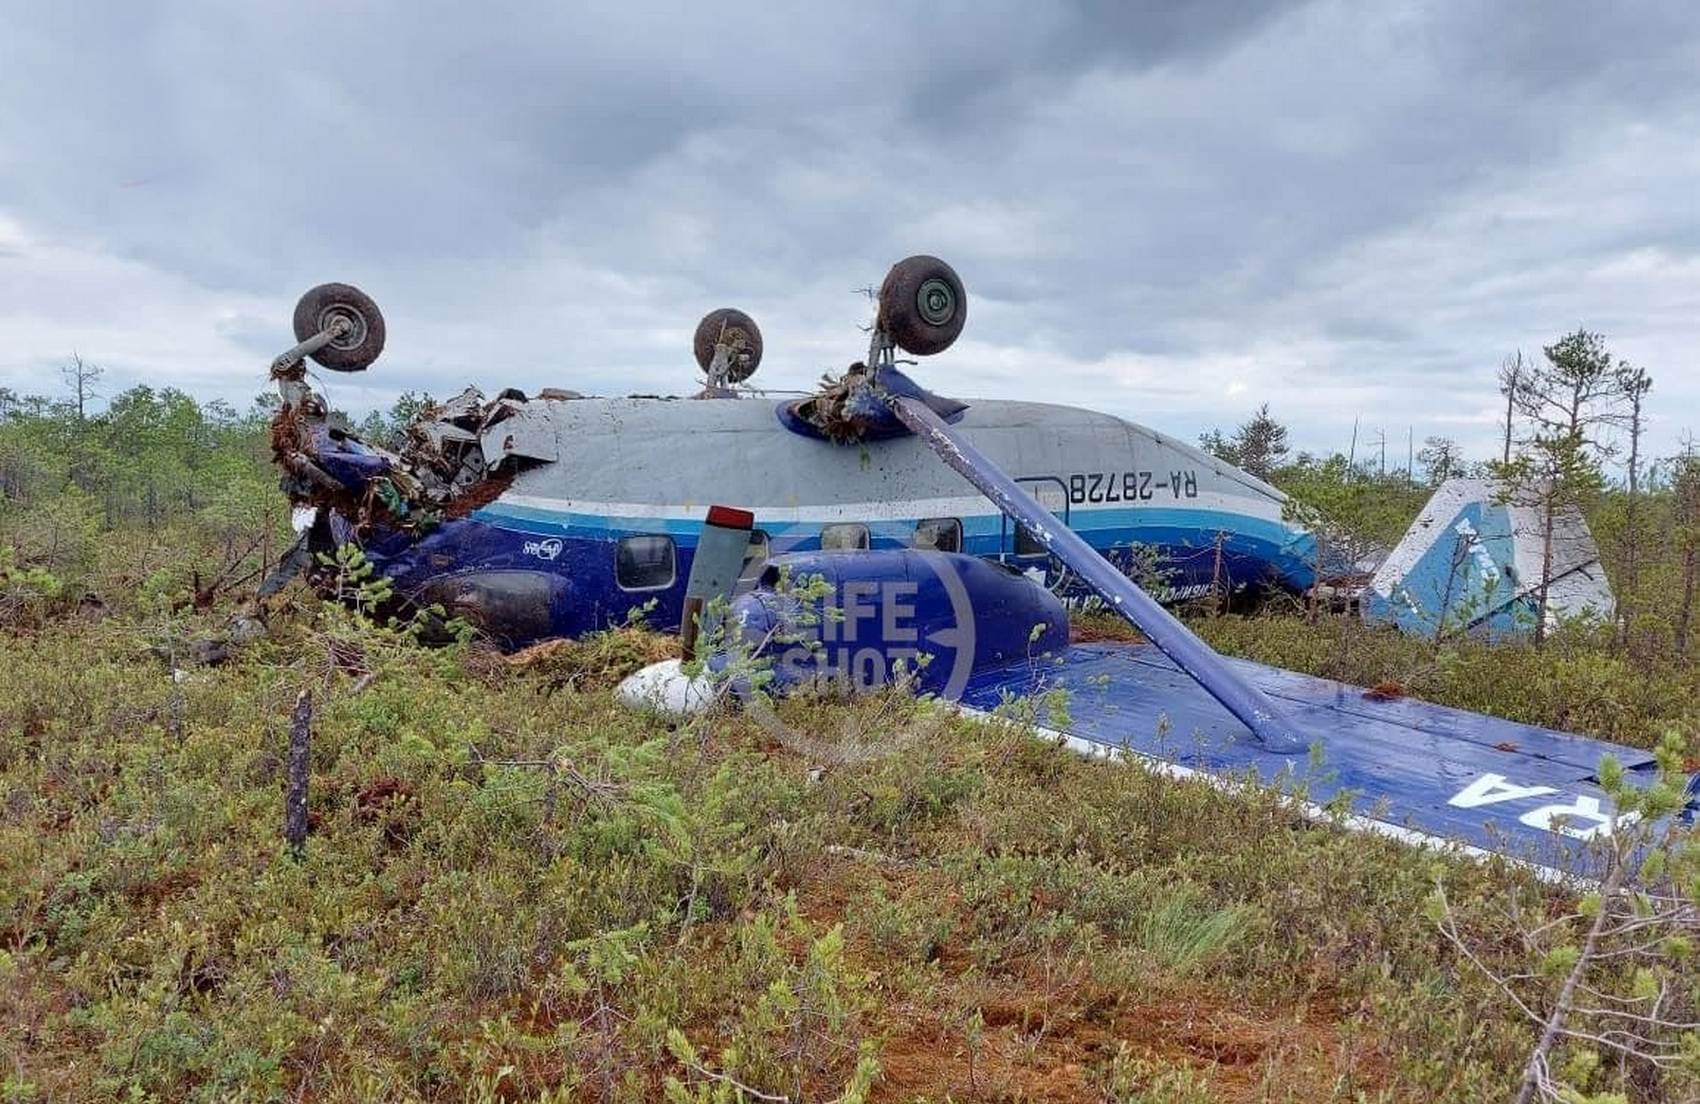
[(1287, 550)]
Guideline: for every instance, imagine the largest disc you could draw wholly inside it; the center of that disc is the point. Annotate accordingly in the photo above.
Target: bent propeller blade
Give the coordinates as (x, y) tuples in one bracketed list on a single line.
[(719, 560)]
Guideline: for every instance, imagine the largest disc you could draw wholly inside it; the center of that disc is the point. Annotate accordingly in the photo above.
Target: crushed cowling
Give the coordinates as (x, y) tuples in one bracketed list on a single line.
[(441, 447), (844, 409), (452, 458), (853, 407)]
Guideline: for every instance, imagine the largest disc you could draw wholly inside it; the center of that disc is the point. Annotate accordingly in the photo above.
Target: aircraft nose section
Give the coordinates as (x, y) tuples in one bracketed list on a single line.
[(512, 608)]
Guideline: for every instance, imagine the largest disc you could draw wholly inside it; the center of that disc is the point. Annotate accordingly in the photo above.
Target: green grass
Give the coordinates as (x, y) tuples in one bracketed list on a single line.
[(514, 888)]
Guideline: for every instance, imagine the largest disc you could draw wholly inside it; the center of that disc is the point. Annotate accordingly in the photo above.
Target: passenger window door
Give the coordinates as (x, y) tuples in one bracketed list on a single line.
[(939, 534), (844, 537), (648, 561), (1052, 494)]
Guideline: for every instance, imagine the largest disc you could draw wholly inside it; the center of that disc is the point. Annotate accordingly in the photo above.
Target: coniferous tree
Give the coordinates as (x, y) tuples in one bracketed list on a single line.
[(1441, 459), (1258, 446), (1566, 402)]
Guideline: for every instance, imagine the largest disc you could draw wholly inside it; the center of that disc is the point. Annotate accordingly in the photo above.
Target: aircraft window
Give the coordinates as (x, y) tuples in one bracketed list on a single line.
[(942, 534), (646, 562), (755, 557), (851, 537), (1053, 496)]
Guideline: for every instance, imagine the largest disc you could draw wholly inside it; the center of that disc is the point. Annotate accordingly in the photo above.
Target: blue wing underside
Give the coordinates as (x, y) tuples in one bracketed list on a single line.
[(1420, 770)]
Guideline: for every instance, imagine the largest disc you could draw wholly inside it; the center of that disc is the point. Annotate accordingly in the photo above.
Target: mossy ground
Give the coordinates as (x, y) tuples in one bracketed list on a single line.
[(514, 889)]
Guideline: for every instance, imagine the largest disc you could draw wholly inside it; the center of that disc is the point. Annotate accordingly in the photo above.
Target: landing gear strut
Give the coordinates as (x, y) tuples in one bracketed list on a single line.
[(339, 326)]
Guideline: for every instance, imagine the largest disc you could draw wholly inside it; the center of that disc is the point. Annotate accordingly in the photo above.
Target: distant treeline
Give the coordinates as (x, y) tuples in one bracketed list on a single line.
[(148, 461), (159, 461), (1569, 417)]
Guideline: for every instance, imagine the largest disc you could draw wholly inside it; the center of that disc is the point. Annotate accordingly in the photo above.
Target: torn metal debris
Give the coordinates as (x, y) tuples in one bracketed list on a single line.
[(848, 409), (453, 457)]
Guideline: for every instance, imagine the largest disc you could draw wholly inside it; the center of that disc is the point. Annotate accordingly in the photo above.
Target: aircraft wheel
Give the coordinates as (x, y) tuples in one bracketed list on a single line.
[(362, 339), (922, 305), (736, 329)]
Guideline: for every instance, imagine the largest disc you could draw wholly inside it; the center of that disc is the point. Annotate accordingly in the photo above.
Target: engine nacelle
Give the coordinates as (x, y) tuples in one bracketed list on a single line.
[(857, 619)]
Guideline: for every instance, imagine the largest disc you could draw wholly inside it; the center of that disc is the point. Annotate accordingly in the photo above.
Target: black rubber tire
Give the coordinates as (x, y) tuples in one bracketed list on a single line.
[(922, 305), (740, 328), (354, 351)]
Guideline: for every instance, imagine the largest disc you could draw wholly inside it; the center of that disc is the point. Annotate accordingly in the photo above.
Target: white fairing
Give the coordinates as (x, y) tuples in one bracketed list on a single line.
[(665, 689)]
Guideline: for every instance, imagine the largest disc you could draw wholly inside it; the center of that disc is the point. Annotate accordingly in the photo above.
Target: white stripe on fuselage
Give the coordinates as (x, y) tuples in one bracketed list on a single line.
[(960, 506), (902, 508)]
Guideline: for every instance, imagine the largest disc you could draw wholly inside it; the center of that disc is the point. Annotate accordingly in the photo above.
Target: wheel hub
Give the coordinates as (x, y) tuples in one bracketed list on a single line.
[(935, 302), (353, 325)]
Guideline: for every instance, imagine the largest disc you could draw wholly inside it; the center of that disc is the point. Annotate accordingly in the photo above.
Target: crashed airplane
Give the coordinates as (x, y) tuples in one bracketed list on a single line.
[(555, 514), (938, 534)]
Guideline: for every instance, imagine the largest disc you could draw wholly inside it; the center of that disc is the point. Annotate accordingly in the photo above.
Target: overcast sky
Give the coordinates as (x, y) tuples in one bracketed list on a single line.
[(1168, 211)]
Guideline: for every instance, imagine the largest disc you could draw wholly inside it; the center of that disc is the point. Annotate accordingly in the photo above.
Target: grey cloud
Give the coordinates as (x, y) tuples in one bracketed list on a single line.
[(1321, 204)]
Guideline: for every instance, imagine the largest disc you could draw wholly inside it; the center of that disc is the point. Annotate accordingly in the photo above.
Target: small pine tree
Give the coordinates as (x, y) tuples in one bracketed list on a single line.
[(1258, 446), (1566, 402), (1262, 443), (1219, 446), (1441, 459)]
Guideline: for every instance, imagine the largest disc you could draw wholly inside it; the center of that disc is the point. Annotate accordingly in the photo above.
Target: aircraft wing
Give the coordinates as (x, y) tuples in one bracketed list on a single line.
[(1419, 772)]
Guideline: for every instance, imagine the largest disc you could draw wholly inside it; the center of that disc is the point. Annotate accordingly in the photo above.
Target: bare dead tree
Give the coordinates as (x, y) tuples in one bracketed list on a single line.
[(81, 377), (1634, 383), (1511, 375)]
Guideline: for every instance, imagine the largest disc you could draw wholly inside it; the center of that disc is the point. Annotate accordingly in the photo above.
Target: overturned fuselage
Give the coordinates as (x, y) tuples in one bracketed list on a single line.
[(556, 516)]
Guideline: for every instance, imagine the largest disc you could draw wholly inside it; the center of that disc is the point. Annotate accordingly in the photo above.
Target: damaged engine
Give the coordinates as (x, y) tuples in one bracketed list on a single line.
[(445, 465)]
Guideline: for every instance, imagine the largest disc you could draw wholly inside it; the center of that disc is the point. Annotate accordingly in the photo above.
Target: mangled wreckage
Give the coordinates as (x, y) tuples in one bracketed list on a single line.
[(943, 533)]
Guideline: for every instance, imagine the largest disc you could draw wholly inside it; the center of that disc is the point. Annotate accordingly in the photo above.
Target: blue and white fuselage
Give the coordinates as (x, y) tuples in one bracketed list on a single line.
[(607, 498), (561, 515)]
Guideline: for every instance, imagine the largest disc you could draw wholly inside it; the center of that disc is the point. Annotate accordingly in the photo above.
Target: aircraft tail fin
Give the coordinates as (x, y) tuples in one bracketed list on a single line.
[(1474, 559)]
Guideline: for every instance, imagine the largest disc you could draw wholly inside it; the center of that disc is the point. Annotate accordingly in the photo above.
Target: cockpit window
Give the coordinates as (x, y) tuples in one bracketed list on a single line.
[(648, 561)]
